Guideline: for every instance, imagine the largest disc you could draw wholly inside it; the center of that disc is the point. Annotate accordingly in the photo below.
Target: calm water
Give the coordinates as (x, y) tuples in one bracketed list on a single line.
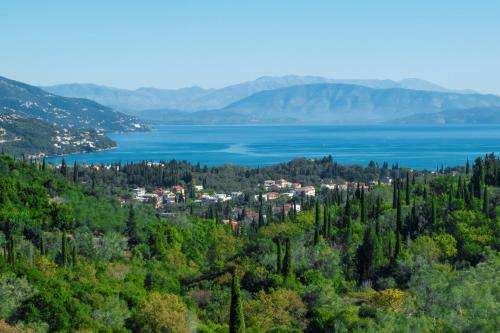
[(413, 146)]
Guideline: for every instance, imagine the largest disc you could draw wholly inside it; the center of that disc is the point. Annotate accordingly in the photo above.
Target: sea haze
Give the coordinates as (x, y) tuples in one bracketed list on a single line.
[(412, 146)]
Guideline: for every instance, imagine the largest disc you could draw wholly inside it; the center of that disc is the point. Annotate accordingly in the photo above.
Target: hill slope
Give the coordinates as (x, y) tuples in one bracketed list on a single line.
[(34, 137), (485, 115), (32, 102)]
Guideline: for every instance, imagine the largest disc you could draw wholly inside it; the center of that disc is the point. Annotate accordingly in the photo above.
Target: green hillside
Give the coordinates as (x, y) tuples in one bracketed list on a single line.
[(35, 138), (81, 254), (31, 102)]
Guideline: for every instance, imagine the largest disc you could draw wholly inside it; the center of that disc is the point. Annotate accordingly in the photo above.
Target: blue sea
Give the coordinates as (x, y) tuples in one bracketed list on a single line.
[(419, 147)]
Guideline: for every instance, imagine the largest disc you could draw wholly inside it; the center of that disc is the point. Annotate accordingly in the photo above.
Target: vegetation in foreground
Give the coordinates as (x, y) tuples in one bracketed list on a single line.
[(418, 256)]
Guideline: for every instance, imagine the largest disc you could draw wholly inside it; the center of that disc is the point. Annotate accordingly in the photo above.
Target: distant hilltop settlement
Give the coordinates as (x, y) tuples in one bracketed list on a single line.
[(267, 199), (284, 196)]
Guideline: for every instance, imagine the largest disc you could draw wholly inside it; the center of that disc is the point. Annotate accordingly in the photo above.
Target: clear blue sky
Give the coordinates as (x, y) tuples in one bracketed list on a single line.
[(171, 44)]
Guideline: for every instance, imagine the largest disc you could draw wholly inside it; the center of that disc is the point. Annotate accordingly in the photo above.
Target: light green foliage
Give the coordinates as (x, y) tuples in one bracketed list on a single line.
[(13, 291), (277, 308), (112, 312), (460, 301)]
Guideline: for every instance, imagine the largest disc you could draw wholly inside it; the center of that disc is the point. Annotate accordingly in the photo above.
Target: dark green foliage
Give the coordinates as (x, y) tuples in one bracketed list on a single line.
[(65, 255), (399, 216), (316, 223), (486, 203), (287, 261), (477, 177), (370, 253), (75, 172), (395, 187), (279, 255), (407, 194), (236, 318), (132, 229), (362, 206)]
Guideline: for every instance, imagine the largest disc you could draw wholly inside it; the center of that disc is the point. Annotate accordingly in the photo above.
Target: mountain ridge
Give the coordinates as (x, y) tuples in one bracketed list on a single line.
[(32, 102), (331, 103), (197, 99)]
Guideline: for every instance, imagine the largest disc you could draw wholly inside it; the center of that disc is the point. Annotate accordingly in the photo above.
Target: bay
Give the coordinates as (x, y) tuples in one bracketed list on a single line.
[(417, 147)]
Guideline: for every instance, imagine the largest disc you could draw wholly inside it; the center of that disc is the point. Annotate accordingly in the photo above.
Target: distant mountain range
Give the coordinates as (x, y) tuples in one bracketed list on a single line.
[(196, 98), (327, 103)]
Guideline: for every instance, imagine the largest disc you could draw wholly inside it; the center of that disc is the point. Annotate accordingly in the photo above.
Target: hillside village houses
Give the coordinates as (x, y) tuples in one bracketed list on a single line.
[(277, 189)]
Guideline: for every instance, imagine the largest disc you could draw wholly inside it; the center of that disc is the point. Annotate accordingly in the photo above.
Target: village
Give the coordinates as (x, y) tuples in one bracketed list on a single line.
[(281, 194)]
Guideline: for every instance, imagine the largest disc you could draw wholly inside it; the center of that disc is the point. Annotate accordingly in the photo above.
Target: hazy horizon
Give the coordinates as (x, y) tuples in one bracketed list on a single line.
[(216, 44)]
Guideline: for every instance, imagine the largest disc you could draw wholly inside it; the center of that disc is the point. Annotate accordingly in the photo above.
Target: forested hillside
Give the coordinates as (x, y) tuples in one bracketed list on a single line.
[(32, 137), (81, 255), (32, 102)]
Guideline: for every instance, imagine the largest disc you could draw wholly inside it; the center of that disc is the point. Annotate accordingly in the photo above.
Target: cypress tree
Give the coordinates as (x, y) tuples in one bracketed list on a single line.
[(395, 194), (378, 207), (132, 233), (407, 196), (236, 318), (433, 212), (325, 221), (42, 246), (477, 177), (44, 164), (64, 250), (369, 253), (363, 207), (261, 217), (347, 211), (74, 253), (64, 168), (279, 261), (397, 249), (349, 250), (269, 215), (287, 261), (459, 193), (414, 220), (486, 207), (316, 224), (450, 198), (75, 172), (330, 226), (467, 167), (399, 216), (30, 253)]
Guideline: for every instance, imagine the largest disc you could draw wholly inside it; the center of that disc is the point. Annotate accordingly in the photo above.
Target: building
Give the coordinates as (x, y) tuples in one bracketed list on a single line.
[(329, 186), (269, 184), (177, 189), (308, 191), (283, 183), (237, 194), (139, 192), (386, 180), (272, 195)]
